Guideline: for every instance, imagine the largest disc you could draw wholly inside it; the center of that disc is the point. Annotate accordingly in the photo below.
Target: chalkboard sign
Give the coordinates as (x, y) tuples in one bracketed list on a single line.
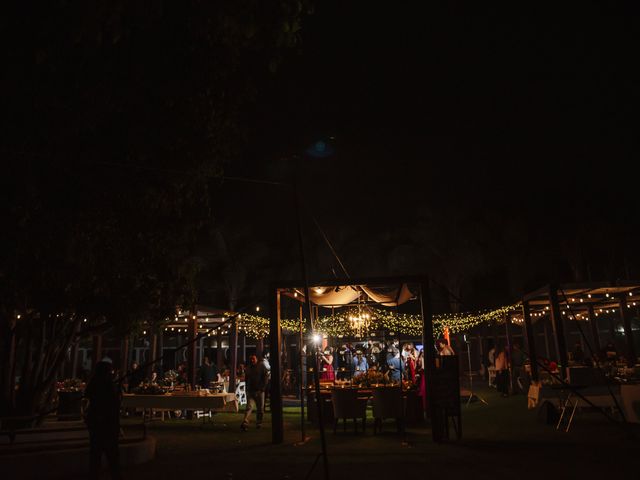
[(444, 382)]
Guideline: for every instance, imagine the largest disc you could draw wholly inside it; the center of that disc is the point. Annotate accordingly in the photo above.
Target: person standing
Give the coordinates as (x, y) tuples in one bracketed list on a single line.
[(410, 362), (395, 365), (502, 372), (444, 348), (208, 373), (326, 366), (256, 380), (360, 364), (135, 377), (103, 420)]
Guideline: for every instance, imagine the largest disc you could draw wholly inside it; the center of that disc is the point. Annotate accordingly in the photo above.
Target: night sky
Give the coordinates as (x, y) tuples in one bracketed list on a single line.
[(494, 152), (523, 128)]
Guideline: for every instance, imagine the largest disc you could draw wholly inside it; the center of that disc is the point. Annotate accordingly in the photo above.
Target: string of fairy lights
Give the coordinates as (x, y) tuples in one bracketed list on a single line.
[(361, 320), (349, 323)]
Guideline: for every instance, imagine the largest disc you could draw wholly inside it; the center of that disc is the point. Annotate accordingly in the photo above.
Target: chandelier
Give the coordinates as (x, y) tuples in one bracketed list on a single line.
[(360, 321)]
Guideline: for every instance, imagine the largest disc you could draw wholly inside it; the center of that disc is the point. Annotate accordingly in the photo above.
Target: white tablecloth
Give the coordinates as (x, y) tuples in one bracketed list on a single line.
[(221, 402)]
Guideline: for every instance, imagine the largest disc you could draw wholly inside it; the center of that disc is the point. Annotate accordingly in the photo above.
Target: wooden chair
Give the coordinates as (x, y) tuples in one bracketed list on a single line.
[(347, 404), (388, 403)]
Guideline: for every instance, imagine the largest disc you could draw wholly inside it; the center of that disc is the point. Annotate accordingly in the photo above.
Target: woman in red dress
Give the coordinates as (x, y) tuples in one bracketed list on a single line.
[(326, 366)]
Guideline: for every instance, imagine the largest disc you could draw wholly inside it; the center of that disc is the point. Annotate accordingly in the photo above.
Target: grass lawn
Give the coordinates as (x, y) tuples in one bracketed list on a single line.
[(499, 440)]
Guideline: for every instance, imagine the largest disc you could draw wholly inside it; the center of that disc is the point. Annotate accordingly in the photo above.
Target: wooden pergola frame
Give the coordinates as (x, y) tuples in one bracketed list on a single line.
[(275, 338)]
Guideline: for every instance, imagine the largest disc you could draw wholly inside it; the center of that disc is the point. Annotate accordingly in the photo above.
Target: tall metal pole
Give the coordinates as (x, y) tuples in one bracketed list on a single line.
[(307, 298), (531, 340), (558, 330), (233, 341), (507, 331), (302, 376), (275, 339)]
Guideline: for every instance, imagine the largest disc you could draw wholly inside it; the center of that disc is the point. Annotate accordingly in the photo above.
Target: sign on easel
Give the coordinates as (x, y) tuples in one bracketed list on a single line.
[(445, 395)]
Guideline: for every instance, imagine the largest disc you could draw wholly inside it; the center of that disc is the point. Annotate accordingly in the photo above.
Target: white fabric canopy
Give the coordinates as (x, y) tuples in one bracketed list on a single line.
[(344, 295)]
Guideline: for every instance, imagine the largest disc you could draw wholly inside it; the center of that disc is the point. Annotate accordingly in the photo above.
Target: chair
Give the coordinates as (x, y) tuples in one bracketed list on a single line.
[(241, 393), (347, 404), (387, 403)]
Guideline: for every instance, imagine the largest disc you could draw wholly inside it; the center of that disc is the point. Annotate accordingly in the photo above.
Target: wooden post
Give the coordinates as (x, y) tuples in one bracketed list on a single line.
[(558, 330), (595, 334), (219, 358), (74, 353), (632, 357), (192, 332), (546, 338), (160, 364), (531, 342), (507, 333), (154, 354), (96, 351), (437, 430), (275, 340), (243, 348), (200, 350), (124, 353), (233, 344)]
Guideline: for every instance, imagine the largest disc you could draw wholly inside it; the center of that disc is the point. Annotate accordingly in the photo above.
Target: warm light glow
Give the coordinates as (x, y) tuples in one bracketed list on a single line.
[(85, 320), (295, 294), (607, 295), (206, 319), (630, 294), (173, 328), (589, 295), (581, 300), (144, 332), (194, 317), (18, 316), (257, 308), (317, 339), (318, 290)]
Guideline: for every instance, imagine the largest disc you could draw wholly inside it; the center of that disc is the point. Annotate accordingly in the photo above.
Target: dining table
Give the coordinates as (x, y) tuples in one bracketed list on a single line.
[(215, 402)]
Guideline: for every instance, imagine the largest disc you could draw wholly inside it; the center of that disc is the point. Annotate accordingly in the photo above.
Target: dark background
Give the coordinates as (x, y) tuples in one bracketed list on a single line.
[(493, 150), (505, 143)]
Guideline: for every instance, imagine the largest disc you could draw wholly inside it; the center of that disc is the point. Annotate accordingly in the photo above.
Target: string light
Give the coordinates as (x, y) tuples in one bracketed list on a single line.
[(342, 323)]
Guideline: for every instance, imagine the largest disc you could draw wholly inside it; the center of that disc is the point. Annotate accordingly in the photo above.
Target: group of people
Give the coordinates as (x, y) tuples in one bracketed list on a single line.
[(350, 361)]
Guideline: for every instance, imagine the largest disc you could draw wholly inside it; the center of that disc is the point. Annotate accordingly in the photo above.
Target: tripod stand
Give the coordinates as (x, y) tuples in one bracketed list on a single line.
[(471, 394)]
